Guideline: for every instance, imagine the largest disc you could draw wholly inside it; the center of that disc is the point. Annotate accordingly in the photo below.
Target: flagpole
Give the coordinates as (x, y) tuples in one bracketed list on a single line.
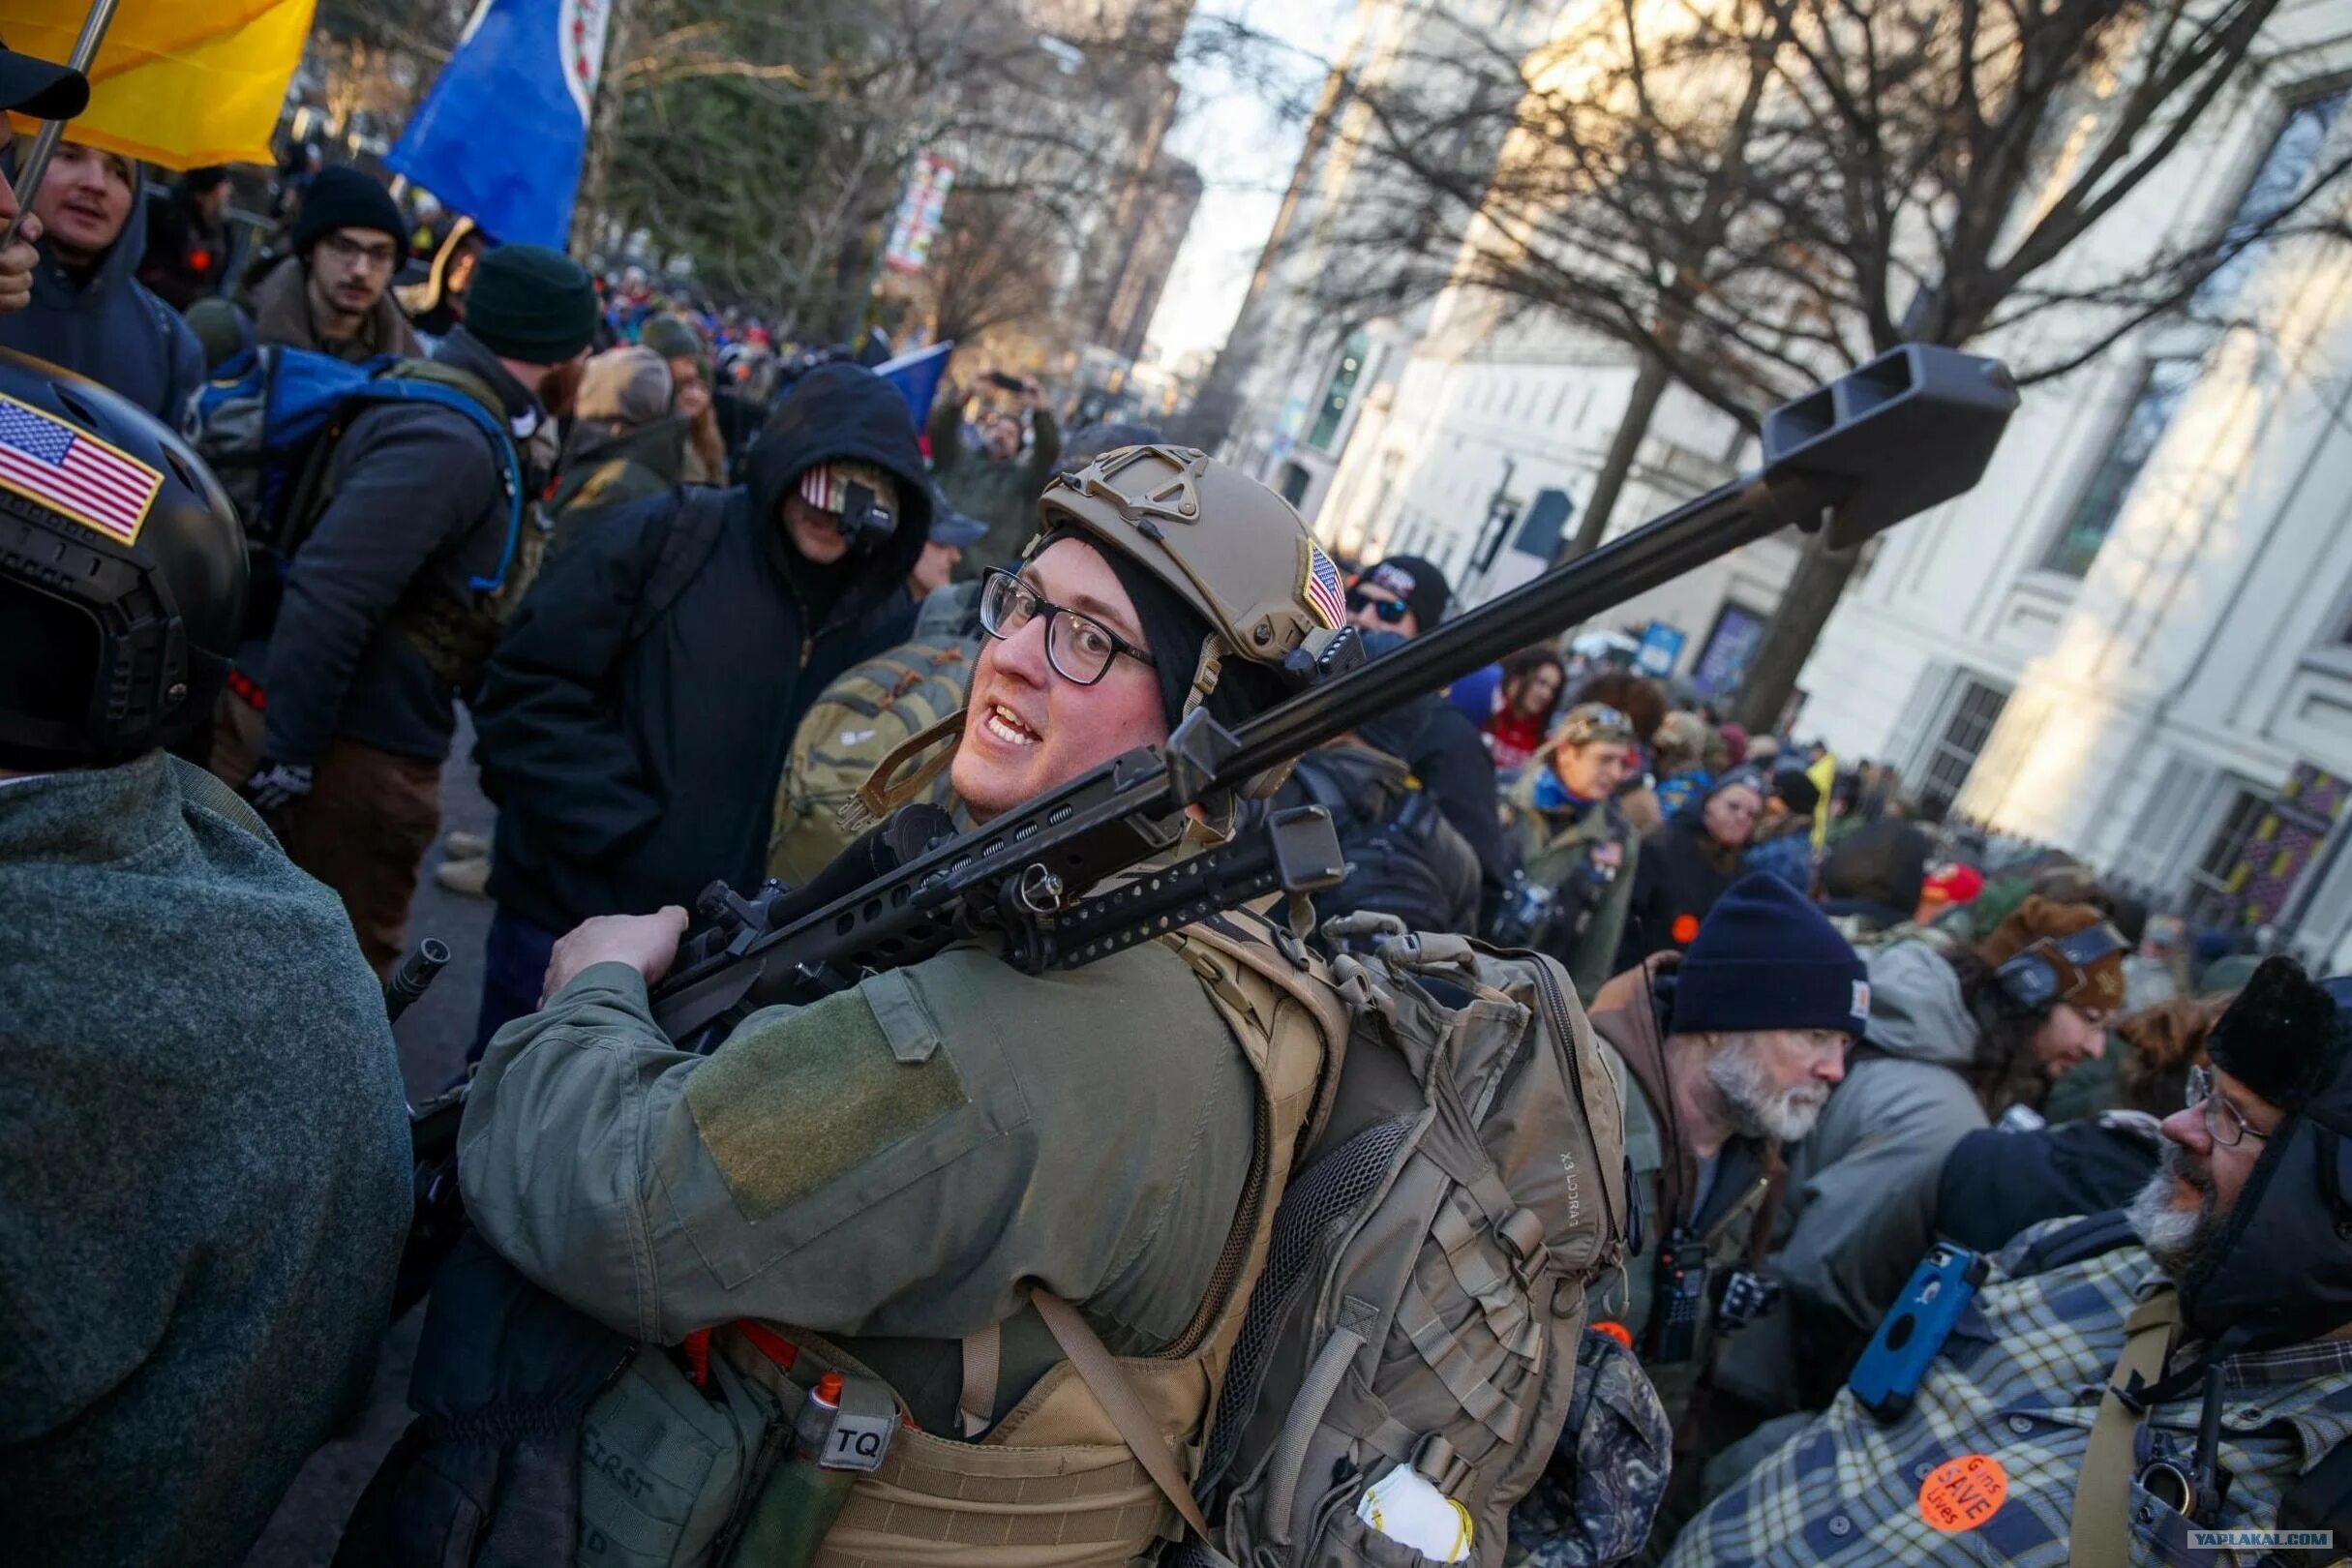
[(45, 144)]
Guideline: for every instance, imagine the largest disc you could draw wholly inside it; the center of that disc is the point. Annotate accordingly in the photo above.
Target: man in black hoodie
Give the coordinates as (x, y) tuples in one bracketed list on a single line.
[(337, 727), (637, 715)]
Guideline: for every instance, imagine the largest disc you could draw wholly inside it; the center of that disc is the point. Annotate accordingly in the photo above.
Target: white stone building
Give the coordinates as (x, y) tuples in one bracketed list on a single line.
[(2134, 639)]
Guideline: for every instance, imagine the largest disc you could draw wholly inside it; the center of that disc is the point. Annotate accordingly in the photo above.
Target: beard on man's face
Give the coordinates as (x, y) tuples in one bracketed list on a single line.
[(2177, 1237), (1759, 1110), (560, 386)]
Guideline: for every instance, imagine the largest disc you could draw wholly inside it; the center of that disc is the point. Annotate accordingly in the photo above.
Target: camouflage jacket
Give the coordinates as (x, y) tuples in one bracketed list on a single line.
[(2019, 1380)]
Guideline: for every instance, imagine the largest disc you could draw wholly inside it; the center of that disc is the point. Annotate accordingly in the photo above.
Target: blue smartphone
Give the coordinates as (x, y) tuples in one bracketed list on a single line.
[(1888, 1376)]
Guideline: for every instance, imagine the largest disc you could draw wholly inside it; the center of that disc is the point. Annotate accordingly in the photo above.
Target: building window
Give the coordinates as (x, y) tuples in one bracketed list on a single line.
[(2216, 883), (1974, 713), (1340, 392), (1295, 481), (2161, 387), (2284, 177)]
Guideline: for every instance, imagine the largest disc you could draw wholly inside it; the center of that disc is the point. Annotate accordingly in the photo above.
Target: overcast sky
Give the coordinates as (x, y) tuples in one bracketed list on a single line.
[(1231, 130)]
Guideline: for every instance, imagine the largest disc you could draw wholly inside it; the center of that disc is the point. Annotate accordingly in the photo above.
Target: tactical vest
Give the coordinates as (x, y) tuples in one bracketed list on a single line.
[(455, 633), (1053, 1482)]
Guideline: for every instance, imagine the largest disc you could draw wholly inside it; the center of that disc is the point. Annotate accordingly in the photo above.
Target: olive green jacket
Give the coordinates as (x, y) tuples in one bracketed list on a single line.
[(904, 1160), (1552, 847), (1627, 1023)]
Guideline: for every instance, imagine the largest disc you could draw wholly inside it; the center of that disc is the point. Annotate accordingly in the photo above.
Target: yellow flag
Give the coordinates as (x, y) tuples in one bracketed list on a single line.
[(177, 83)]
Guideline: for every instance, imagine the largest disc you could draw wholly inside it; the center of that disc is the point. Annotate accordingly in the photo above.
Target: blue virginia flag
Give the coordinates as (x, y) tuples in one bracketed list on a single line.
[(917, 376), (499, 137)]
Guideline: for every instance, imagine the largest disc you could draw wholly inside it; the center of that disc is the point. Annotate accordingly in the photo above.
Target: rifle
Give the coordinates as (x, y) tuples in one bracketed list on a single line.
[(1911, 429)]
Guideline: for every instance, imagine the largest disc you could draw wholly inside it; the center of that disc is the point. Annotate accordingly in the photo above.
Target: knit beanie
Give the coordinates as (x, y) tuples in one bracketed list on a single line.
[(1883, 863), (2038, 920), (629, 387), (531, 304), (671, 338), (1765, 958), (1799, 794), (2284, 1037), (340, 196), (1174, 631), (1418, 583)]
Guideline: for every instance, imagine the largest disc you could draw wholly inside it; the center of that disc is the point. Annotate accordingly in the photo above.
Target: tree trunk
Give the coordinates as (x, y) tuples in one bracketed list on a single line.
[(1649, 386), (1814, 589)]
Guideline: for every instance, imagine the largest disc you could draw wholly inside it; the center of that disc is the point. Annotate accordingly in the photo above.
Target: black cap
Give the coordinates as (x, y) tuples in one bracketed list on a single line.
[(41, 89)]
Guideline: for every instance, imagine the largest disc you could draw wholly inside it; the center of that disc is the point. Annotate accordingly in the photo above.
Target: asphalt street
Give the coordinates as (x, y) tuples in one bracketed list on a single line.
[(433, 1038)]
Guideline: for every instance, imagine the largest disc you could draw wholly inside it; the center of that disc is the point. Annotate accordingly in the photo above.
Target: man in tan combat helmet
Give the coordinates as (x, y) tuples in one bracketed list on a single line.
[(896, 1168)]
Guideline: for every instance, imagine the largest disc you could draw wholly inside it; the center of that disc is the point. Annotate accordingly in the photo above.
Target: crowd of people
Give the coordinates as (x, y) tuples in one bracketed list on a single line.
[(1853, 1069)]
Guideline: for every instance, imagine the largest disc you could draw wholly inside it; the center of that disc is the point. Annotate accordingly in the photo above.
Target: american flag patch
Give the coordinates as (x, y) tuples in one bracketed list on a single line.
[(822, 489), (1322, 588), (48, 461)]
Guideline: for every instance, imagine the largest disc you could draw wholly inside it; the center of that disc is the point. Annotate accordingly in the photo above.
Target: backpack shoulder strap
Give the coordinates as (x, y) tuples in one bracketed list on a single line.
[(1092, 1360), (2099, 1531), (690, 536)]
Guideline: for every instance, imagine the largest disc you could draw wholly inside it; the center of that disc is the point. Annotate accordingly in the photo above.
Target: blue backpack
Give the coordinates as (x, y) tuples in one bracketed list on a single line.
[(267, 423)]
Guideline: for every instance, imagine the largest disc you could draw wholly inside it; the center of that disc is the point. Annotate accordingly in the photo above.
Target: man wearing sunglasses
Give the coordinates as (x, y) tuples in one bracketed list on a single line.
[(1407, 595), (2101, 1401)]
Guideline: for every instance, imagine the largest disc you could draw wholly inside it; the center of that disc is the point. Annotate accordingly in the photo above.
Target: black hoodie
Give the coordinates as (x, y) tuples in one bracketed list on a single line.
[(631, 772)]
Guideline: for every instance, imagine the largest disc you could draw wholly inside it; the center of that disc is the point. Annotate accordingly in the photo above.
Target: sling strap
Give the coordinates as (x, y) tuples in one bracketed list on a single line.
[(1099, 1368), (2099, 1535), (983, 1366)]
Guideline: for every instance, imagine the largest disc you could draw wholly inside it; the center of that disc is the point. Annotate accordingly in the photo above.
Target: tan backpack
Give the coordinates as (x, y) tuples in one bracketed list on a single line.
[(861, 719), (1424, 1296)]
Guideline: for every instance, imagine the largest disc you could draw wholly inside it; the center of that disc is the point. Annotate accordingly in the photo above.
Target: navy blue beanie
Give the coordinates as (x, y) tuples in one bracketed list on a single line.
[(1765, 958)]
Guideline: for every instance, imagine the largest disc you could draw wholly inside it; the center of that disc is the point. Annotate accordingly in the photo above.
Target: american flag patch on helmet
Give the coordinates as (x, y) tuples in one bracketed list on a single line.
[(1320, 587)]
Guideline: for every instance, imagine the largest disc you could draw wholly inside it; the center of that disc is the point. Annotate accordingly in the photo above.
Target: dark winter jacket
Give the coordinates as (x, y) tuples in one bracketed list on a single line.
[(603, 470), (631, 770), (203, 1169), (419, 513), (1403, 858), (1003, 495), (186, 257), (1996, 1182), (1677, 878), (109, 327), (1450, 761), (1784, 847)]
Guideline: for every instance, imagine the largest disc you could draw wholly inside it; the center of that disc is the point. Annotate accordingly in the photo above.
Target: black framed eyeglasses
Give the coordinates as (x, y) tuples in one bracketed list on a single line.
[(2223, 1122), (1079, 647), (1389, 611)]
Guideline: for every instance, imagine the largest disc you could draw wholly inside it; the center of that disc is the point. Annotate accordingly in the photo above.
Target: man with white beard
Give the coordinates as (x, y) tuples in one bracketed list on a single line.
[(1721, 1056), (2184, 1401)]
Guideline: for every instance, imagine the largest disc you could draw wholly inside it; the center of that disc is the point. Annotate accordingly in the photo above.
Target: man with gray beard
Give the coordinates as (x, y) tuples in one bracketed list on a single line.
[(2181, 1402), (1721, 1055)]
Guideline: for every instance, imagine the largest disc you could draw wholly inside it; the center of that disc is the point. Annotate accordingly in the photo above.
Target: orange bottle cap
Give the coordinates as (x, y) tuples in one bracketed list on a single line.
[(828, 1389)]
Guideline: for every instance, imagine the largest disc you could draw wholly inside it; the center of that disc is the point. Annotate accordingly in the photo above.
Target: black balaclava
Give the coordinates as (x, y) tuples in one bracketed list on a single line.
[(1174, 631)]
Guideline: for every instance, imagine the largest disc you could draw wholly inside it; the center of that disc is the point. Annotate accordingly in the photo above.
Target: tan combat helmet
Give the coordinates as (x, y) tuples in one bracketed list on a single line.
[(1229, 547), (1226, 545)]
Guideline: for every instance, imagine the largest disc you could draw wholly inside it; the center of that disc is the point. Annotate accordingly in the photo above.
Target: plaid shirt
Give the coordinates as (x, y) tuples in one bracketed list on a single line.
[(2020, 1379)]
